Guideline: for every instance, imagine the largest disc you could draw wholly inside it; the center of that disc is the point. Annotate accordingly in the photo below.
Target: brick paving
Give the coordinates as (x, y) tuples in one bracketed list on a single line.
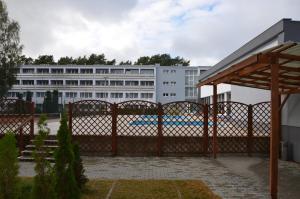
[(230, 177)]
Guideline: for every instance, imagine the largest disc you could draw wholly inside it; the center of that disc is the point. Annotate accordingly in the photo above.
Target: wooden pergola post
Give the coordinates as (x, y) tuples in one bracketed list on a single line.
[(215, 119), (274, 148)]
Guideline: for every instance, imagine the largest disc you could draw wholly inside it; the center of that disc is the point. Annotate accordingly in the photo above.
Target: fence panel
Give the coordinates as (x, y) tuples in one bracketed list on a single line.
[(261, 127), (16, 116), (183, 128), (91, 125), (232, 130), (137, 127)]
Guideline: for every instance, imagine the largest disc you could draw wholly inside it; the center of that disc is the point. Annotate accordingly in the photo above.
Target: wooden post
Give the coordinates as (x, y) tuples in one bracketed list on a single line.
[(159, 129), (21, 140), (205, 129), (274, 148), (215, 120), (70, 114), (32, 120), (279, 124), (250, 130), (114, 115)]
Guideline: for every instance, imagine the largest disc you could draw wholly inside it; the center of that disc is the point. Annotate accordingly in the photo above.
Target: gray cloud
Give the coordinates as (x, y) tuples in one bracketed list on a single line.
[(201, 30)]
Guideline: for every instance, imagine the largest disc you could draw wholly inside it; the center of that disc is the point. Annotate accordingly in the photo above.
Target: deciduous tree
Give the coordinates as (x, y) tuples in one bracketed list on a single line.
[(10, 50)]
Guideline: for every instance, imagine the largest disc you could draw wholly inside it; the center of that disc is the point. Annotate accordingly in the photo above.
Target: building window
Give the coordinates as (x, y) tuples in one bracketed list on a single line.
[(228, 97), (57, 82), (147, 95), (72, 70), (72, 82), (165, 83), (147, 83), (116, 95), (57, 70), (17, 82), (102, 70), (132, 71), (40, 94), (173, 71), (86, 82), (12, 94), (205, 100), (101, 95), (172, 94), (165, 94), (101, 82), (116, 83), (28, 82), (190, 92), (221, 97), (132, 95), (117, 71), (173, 83), (42, 70), (42, 82), (71, 94), (165, 71), (86, 95), (202, 71), (86, 70), (131, 83), (28, 70), (147, 71)]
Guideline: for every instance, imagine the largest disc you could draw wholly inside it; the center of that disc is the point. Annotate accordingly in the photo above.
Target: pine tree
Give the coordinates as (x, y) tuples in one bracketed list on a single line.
[(65, 185), (81, 179), (8, 167), (44, 179)]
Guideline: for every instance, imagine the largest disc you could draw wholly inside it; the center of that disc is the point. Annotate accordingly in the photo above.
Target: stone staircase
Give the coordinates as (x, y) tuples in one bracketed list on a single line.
[(27, 153)]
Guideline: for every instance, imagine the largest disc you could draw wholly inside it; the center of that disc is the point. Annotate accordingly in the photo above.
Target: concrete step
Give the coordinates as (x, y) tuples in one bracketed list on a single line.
[(30, 152), (32, 147), (47, 142), (31, 159)]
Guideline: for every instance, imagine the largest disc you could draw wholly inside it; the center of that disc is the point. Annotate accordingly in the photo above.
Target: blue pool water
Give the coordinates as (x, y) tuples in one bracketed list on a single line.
[(177, 117), (174, 123)]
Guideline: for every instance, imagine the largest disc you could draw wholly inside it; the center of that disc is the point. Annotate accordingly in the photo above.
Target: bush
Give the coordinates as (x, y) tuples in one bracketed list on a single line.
[(8, 167), (65, 183), (43, 186), (80, 178)]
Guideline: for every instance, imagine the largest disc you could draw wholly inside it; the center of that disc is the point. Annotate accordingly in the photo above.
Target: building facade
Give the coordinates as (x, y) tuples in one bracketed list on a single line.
[(112, 83), (285, 30)]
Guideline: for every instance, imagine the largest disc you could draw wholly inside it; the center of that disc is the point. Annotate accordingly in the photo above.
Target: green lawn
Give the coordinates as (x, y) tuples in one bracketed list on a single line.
[(142, 189)]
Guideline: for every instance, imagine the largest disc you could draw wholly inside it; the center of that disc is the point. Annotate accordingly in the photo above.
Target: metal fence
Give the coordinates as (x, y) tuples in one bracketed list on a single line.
[(176, 128), (17, 116)]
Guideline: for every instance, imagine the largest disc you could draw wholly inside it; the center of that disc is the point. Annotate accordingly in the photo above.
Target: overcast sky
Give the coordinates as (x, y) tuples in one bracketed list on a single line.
[(203, 31)]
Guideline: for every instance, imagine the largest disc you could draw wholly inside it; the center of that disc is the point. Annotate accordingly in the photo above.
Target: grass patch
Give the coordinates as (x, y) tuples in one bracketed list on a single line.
[(138, 189), (97, 189)]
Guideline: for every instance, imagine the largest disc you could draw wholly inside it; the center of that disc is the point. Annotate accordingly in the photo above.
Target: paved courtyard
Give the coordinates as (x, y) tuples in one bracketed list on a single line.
[(229, 176)]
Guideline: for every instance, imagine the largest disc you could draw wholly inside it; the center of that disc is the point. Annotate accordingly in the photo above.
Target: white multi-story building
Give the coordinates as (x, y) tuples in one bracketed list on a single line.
[(112, 83)]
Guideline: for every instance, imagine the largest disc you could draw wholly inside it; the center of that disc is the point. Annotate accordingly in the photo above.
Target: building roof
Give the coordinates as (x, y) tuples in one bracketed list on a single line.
[(283, 31), (257, 70)]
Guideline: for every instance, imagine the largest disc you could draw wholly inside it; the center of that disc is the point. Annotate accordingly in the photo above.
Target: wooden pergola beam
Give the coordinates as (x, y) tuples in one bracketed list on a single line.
[(287, 56)]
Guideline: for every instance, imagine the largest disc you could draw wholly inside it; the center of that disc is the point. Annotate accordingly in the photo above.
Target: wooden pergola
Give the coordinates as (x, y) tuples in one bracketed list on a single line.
[(276, 69)]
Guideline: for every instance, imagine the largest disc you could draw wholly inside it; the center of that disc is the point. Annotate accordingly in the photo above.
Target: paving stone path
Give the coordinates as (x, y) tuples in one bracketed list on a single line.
[(219, 178)]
